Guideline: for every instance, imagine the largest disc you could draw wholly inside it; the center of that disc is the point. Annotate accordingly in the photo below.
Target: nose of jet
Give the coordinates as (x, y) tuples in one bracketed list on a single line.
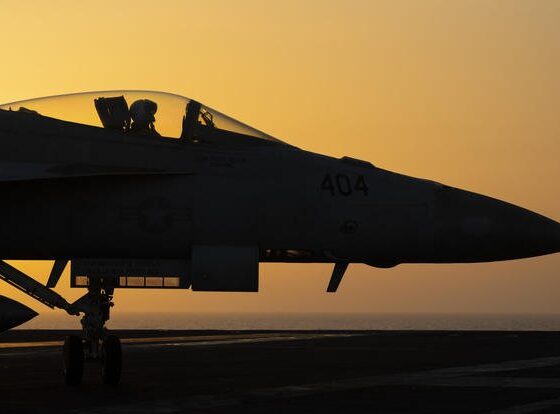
[(474, 228)]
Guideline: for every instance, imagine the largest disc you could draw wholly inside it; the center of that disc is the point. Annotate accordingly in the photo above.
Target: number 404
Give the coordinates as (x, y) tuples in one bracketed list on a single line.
[(344, 185)]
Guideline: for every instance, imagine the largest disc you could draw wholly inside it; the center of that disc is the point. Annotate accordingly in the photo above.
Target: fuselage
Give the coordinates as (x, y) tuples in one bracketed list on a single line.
[(75, 191)]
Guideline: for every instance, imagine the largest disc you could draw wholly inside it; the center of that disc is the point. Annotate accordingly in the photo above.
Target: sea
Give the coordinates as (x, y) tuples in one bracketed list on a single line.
[(309, 321)]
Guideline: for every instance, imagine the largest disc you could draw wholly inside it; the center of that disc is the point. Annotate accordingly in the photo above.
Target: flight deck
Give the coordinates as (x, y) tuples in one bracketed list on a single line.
[(292, 371)]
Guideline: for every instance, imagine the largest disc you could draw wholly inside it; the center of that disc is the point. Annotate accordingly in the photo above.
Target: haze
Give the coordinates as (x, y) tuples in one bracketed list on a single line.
[(463, 92)]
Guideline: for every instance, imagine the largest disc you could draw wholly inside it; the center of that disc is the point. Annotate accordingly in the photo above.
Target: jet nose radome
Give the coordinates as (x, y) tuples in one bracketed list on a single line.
[(475, 228), (13, 313)]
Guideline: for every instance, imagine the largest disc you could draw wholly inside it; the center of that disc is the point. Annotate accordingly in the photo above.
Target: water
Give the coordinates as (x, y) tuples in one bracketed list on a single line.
[(309, 321)]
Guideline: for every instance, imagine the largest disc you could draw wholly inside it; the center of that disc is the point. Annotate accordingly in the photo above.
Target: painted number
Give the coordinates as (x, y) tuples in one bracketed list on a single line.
[(344, 185)]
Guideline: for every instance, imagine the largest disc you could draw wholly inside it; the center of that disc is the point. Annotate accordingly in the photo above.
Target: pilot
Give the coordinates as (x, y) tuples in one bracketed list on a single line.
[(143, 113)]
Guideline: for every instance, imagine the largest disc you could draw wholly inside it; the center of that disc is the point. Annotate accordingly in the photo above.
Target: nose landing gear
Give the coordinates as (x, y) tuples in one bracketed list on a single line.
[(95, 344)]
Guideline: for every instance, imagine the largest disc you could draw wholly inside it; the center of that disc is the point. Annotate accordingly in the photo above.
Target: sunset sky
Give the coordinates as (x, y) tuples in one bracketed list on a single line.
[(462, 92)]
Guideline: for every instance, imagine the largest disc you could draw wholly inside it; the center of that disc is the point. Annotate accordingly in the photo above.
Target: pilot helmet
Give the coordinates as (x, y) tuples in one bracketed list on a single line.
[(143, 111)]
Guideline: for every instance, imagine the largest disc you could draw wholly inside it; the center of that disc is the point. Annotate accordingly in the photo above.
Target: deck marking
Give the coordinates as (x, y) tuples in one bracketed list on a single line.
[(445, 377), (177, 341), (528, 408)]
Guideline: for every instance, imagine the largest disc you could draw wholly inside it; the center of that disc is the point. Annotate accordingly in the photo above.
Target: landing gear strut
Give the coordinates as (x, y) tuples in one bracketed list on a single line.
[(96, 344)]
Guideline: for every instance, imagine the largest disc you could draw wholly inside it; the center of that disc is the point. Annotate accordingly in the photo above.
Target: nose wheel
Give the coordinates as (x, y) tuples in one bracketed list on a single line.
[(95, 344)]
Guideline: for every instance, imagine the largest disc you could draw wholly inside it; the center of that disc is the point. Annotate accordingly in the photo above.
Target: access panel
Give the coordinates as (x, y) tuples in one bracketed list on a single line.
[(225, 268)]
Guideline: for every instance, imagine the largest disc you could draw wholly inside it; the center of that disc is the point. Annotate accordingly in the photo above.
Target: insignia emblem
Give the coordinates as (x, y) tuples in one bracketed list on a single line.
[(157, 214)]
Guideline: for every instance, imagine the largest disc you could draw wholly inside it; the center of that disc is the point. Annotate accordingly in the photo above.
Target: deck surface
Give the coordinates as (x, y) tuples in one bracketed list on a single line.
[(286, 371)]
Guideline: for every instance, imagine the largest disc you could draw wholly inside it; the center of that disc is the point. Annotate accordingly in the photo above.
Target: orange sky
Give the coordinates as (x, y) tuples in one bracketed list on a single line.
[(462, 92)]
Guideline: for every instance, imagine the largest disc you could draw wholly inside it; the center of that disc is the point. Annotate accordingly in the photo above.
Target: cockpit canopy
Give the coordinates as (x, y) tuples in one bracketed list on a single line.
[(141, 112)]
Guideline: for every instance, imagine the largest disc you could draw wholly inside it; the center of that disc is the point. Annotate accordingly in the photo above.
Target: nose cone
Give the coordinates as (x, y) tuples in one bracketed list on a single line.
[(474, 228), (13, 313)]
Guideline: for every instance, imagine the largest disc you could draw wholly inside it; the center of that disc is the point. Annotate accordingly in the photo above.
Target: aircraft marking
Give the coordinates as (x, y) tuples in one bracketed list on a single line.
[(156, 214), (342, 184)]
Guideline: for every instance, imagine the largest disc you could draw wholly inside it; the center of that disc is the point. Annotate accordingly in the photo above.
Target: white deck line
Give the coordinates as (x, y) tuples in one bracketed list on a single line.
[(177, 341)]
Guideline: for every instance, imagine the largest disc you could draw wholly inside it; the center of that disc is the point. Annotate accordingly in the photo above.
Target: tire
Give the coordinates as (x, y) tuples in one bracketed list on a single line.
[(112, 360), (73, 360)]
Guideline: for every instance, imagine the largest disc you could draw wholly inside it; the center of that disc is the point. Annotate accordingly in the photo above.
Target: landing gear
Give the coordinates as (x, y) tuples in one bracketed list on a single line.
[(95, 344), (98, 302)]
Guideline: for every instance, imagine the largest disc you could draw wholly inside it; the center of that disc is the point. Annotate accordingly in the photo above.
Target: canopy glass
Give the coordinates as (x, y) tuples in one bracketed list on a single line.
[(144, 112)]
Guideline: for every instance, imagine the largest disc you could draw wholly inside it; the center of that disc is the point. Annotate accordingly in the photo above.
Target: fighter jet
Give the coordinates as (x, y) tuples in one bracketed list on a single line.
[(139, 189)]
